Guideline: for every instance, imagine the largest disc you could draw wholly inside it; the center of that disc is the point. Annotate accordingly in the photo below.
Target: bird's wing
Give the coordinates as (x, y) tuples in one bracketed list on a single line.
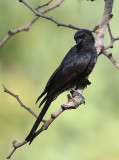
[(53, 76), (72, 65)]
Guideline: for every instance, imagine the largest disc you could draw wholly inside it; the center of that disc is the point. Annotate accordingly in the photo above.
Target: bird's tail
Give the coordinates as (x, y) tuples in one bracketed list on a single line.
[(42, 94), (30, 137)]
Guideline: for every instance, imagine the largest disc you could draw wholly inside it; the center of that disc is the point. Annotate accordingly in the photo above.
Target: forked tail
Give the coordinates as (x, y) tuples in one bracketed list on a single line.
[(30, 137)]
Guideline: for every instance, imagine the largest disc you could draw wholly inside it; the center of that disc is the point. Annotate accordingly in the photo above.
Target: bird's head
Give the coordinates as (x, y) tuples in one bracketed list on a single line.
[(83, 36)]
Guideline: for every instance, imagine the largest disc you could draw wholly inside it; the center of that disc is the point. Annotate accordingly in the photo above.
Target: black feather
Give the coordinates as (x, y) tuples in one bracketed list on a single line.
[(39, 119), (42, 94)]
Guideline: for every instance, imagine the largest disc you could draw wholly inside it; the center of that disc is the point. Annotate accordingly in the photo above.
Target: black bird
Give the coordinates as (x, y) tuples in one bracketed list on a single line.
[(73, 70)]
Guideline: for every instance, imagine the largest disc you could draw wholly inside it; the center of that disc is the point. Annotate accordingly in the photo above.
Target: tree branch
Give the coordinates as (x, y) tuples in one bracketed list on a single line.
[(112, 39), (16, 145), (103, 25), (109, 55), (44, 4), (13, 32), (39, 14), (19, 101), (27, 26), (100, 30), (48, 17), (73, 103)]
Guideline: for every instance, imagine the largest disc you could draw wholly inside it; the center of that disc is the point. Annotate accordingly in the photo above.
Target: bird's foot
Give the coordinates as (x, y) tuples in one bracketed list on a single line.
[(74, 101), (74, 93)]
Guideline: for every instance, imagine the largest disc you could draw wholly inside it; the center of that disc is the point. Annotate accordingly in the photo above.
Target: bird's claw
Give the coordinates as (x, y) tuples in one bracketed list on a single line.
[(82, 100), (76, 93)]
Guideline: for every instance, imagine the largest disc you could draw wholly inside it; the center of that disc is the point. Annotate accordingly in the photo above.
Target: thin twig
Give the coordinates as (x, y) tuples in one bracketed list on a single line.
[(109, 55), (48, 17), (27, 26), (13, 32), (39, 14), (116, 38), (103, 25), (110, 33), (11, 153), (112, 39), (59, 23), (73, 103), (46, 4), (20, 102), (16, 145)]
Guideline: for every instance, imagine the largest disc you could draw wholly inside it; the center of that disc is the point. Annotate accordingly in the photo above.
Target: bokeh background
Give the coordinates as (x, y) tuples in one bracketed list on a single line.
[(26, 62)]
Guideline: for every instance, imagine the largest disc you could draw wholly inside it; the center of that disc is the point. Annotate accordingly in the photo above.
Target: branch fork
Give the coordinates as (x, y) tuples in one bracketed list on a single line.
[(38, 15)]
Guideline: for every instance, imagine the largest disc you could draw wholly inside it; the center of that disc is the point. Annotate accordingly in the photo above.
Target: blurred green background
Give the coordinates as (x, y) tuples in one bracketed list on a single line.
[(26, 62)]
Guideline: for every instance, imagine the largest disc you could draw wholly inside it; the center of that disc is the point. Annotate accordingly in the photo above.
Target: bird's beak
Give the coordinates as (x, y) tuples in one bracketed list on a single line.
[(79, 41)]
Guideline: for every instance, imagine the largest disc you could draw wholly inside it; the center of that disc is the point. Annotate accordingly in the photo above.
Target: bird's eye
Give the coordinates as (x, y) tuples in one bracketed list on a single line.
[(81, 36), (85, 35)]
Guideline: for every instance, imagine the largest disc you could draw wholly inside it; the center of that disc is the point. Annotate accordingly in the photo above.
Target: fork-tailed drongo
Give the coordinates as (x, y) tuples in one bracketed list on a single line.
[(75, 67)]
